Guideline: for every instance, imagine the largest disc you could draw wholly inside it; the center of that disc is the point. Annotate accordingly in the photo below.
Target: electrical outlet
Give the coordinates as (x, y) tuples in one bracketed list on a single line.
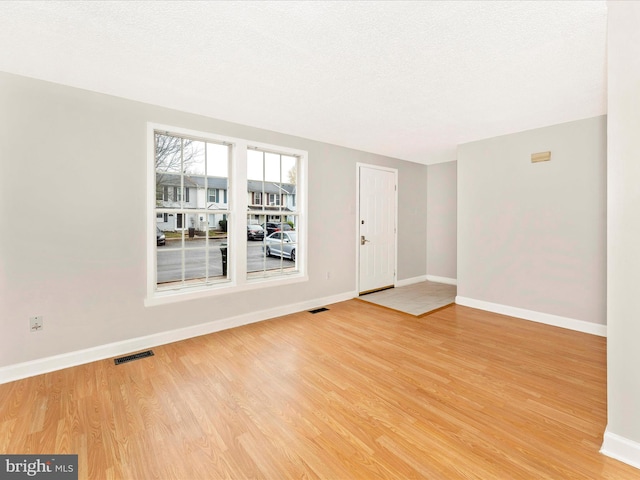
[(36, 323)]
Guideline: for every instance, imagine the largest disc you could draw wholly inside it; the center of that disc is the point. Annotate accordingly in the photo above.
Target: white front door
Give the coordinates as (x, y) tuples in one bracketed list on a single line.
[(377, 228)]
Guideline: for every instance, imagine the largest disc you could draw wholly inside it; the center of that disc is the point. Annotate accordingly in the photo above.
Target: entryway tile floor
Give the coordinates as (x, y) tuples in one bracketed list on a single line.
[(415, 299)]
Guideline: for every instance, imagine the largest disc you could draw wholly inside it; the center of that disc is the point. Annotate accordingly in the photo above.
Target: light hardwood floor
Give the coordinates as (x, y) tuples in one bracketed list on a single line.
[(356, 392)]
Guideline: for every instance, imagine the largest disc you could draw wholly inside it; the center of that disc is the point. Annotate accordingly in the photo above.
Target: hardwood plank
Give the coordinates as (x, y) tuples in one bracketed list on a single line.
[(358, 391)]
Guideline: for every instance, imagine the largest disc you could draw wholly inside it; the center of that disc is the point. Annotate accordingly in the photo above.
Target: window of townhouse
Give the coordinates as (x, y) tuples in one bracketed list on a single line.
[(230, 212)]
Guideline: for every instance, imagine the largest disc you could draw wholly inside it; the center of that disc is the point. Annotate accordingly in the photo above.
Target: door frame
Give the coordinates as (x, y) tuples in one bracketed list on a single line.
[(359, 166)]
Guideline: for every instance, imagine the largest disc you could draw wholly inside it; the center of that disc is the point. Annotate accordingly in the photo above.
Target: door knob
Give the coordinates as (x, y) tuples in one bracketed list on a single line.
[(363, 240)]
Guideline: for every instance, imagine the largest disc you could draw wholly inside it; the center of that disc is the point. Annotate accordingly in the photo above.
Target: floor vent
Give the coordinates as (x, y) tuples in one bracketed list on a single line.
[(318, 310), (135, 356)]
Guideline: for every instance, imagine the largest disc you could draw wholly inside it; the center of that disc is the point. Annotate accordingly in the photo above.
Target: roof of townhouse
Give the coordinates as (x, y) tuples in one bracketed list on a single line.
[(270, 187), (173, 179)]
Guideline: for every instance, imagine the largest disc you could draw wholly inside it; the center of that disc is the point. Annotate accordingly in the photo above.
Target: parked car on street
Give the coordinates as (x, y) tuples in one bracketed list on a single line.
[(281, 244), (255, 232), (271, 227), (160, 238)]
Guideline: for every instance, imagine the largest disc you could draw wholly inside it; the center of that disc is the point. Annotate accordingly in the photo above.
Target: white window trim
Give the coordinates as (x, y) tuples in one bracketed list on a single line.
[(237, 194)]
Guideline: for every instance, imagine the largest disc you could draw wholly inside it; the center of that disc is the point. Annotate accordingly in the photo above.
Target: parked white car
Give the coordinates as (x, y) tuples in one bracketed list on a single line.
[(281, 244)]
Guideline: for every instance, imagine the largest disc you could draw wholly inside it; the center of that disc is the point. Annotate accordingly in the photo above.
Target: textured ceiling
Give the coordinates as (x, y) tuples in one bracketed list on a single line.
[(406, 79)]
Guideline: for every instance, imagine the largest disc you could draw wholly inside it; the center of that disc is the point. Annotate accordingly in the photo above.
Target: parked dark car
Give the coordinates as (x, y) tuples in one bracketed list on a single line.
[(160, 238), (271, 227), (281, 244), (255, 232)]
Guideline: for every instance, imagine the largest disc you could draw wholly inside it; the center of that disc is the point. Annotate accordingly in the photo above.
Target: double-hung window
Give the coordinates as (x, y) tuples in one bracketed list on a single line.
[(205, 190), (273, 175)]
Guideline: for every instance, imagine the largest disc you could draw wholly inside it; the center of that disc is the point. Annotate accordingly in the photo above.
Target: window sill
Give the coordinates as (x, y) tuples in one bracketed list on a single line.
[(198, 292)]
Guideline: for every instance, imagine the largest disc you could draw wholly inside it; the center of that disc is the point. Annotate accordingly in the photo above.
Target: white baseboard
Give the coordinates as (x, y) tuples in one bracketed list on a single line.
[(422, 278), (448, 281), (546, 318), (410, 281), (621, 448), (79, 357)]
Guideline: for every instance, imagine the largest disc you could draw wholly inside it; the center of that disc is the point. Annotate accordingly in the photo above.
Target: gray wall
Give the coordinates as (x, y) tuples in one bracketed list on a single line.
[(532, 236), (623, 229), (73, 246), (442, 220)]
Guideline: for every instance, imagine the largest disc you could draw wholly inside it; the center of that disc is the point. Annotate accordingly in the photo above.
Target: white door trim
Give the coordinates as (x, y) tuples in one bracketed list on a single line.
[(359, 165)]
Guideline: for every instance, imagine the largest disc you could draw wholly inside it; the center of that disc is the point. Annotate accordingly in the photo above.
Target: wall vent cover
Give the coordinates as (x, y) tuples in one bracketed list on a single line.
[(540, 157), (318, 310), (135, 356)]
